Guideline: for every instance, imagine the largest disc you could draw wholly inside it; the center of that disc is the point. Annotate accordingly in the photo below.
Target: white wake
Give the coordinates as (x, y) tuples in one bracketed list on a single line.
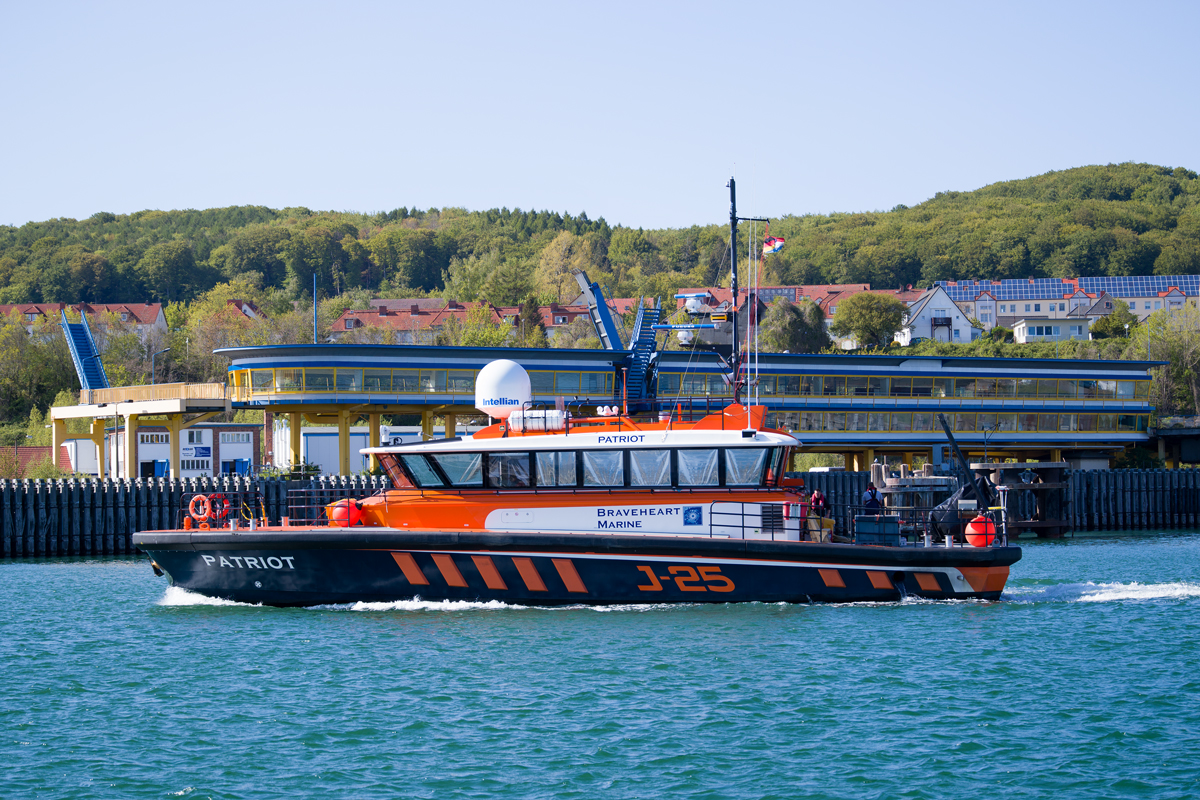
[(177, 596), (1103, 592)]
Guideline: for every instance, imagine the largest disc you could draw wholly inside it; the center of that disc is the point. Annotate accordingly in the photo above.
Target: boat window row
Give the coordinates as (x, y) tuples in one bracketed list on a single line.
[(743, 467), (408, 381), (683, 384), (922, 421)]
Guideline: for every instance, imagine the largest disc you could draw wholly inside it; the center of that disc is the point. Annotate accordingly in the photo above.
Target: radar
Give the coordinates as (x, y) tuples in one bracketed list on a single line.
[(501, 388)]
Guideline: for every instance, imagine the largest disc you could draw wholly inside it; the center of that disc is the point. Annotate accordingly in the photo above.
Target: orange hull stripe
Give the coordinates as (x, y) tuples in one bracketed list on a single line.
[(491, 577), (928, 581), (445, 565), (529, 574), (986, 579), (880, 580), (566, 571), (411, 571), (832, 578)]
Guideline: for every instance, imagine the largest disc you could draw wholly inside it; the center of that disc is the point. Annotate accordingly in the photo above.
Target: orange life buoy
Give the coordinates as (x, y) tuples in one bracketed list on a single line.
[(199, 514), (218, 506)]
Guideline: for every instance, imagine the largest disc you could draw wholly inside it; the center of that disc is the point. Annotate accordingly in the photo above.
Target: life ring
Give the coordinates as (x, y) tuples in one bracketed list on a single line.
[(218, 506), (199, 514)]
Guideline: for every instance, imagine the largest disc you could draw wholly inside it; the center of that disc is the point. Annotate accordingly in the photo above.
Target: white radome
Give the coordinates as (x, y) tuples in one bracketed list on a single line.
[(501, 388)]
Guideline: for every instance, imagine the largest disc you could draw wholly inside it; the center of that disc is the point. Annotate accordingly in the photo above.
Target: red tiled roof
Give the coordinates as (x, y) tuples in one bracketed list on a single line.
[(433, 312), (143, 313), (407, 318), (27, 456)]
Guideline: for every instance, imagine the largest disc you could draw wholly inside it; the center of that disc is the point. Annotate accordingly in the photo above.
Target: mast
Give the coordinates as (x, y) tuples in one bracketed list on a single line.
[(735, 357), (736, 354)]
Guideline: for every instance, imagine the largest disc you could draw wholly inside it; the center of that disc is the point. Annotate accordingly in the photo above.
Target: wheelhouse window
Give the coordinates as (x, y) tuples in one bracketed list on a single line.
[(556, 469), (603, 468), (744, 466), (391, 466), (650, 467), (461, 468), (508, 470), (698, 468), (422, 473)]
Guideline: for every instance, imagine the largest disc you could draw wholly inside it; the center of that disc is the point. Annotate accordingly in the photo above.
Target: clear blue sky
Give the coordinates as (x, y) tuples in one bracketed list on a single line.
[(637, 112)]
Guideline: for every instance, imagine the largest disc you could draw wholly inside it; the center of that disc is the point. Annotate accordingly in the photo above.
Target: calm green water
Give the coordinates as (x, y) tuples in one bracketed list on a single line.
[(1084, 683)]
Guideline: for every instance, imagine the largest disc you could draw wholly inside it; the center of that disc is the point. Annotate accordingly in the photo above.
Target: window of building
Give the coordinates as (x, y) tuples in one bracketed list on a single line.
[(560, 320), (956, 333), (124, 316), (1037, 306), (235, 438), (152, 438), (1158, 304), (195, 437), (1027, 307), (1147, 305)]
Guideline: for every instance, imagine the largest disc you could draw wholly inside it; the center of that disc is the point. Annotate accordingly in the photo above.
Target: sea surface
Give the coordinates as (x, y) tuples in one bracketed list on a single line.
[(1084, 682)]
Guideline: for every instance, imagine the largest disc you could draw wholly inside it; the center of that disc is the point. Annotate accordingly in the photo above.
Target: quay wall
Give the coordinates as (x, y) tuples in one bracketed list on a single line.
[(90, 517)]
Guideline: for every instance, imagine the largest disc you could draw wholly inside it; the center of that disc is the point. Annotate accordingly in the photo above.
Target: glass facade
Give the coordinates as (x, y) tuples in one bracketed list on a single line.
[(921, 421), (672, 384), (335, 380)]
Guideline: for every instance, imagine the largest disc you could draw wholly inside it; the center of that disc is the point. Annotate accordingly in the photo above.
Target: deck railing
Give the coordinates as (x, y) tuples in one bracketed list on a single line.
[(159, 391)]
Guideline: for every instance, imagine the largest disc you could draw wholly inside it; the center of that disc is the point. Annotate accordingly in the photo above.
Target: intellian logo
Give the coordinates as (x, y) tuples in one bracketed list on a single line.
[(501, 401)]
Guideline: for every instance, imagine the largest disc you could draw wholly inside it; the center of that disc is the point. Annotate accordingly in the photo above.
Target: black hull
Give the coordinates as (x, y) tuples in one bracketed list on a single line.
[(304, 567)]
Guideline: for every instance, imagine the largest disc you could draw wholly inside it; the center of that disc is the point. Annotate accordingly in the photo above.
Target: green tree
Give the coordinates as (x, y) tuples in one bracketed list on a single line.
[(1121, 322), (464, 279), (168, 269), (792, 328), (872, 319), (258, 249), (531, 328), (508, 284), (477, 329)]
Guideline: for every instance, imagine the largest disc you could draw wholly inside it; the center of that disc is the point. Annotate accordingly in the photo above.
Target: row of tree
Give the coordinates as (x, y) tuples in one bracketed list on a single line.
[(1124, 219)]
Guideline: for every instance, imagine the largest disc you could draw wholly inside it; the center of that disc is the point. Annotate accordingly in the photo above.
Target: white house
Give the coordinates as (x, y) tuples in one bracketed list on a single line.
[(935, 316)]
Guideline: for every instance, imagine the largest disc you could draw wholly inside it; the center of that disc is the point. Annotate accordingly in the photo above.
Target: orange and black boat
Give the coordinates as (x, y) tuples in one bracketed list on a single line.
[(544, 509)]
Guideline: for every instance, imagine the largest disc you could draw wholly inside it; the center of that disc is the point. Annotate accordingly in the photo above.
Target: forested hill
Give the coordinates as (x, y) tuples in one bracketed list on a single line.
[(1123, 219)]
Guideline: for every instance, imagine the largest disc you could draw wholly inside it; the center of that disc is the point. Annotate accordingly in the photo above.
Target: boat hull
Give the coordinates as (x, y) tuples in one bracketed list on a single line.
[(314, 566)]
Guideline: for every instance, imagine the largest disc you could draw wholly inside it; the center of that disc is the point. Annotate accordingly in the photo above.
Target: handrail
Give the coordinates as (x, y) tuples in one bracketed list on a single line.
[(160, 391)]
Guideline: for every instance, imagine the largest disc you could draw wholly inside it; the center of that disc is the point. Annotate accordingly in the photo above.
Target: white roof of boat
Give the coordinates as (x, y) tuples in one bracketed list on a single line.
[(596, 440)]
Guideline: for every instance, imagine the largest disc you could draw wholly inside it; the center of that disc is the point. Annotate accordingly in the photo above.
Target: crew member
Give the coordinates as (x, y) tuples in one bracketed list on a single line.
[(818, 505), (871, 499)]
